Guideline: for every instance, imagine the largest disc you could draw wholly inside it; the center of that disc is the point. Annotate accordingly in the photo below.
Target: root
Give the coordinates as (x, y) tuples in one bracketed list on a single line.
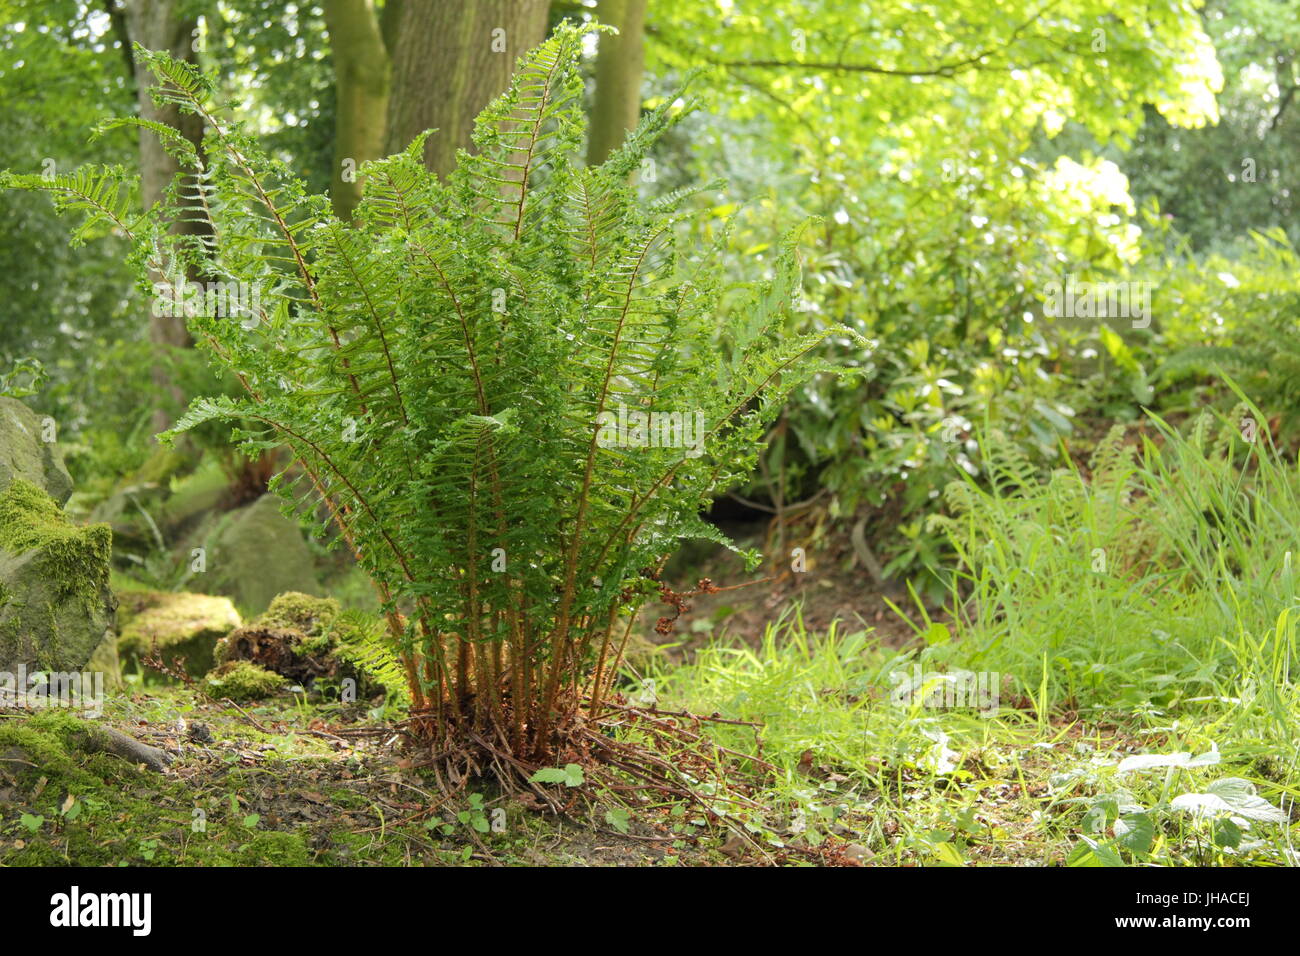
[(641, 757)]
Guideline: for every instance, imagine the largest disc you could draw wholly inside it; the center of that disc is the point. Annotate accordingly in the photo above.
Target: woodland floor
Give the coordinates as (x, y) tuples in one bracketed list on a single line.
[(848, 779)]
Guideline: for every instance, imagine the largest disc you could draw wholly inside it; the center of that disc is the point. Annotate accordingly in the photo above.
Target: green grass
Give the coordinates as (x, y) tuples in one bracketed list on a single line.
[(1145, 605)]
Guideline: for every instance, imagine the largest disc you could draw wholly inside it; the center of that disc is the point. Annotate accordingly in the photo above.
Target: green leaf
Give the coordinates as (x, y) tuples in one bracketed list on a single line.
[(548, 775), (1240, 795), (1135, 832)]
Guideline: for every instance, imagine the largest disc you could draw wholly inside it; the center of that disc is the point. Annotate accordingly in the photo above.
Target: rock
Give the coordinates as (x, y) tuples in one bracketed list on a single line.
[(104, 660), (259, 553), (55, 603), (305, 638), (24, 452), (180, 624), (859, 854)]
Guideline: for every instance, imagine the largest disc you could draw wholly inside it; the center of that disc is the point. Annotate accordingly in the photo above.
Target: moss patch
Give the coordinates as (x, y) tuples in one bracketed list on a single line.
[(75, 558), (56, 605), (309, 639), (243, 681)]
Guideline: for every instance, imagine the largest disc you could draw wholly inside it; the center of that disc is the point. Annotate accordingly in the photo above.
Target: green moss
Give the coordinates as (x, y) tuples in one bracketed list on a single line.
[(123, 814), (179, 624), (275, 848), (244, 680), (76, 558), (310, 615), (44, 749)]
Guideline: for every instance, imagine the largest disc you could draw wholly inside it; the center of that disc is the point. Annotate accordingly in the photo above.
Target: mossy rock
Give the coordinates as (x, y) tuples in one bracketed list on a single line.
[(194, 496), (24, 454), (55, 603), (180, 624), (305, 639), (244, 681), (258, 553), (292, 638)]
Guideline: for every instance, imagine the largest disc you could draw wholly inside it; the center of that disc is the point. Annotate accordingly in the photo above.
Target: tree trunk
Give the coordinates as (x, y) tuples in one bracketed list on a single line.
[(361, 88), (160, 25), (450, 59), (620, 62)]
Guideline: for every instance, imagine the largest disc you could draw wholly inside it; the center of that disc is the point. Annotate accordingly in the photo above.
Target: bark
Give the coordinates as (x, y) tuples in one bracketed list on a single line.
[(450, 59), (620, 63), (361, 87), (162, 25)]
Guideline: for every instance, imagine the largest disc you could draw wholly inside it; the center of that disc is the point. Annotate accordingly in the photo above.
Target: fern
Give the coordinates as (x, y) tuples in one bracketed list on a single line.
[(446, 369), (363, 643)]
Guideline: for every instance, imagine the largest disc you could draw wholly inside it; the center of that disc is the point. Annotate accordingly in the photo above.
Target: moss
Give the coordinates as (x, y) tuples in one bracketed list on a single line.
[(45, 750), (275, 848), (124, 815), (75, 558), (311, 615), (244, 680), (179, 624)]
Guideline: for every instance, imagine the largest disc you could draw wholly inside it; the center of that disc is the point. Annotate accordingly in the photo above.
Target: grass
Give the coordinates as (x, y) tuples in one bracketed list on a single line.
[(1143, 605)]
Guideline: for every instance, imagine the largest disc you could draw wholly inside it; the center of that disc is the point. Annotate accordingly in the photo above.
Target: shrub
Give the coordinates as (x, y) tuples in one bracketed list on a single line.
[(505, 387)]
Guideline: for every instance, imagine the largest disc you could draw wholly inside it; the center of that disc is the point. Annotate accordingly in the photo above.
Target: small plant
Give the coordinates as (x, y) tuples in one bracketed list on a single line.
[(1216, 816), (507, 388)]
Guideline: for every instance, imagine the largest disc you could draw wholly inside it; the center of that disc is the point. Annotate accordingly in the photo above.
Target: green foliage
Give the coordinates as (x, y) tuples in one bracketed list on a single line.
[(366, 645), (934, 143), (25, 377), (1219, 183), (450, 375), (1180, 569), (1217, 815), (1241, 317)]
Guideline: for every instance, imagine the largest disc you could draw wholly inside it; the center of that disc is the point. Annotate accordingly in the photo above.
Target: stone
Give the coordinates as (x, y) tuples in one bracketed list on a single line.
[(104, 660), (257, 554), (55, 602), (177, 624), (309, 640), (25, 452)]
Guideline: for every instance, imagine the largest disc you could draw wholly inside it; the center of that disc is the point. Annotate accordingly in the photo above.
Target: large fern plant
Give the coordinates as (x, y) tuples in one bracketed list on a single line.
[(459, 374)]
